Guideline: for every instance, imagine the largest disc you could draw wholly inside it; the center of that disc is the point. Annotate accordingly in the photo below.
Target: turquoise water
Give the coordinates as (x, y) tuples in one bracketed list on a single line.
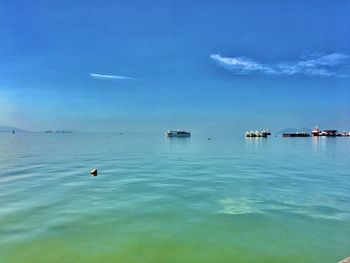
[(158, 199)]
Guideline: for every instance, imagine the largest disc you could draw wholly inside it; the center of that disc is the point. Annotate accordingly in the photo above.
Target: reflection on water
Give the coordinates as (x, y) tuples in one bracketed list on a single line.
[(256, 140), (178, 140), (323, 143)]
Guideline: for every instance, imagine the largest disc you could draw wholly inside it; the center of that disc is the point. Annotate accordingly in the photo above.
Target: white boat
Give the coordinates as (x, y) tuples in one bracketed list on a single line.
[(262, 133), (248, 134), (178, 133)]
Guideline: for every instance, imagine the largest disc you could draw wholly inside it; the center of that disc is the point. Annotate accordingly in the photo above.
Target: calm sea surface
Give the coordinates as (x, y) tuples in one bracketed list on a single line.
[(158, 199)]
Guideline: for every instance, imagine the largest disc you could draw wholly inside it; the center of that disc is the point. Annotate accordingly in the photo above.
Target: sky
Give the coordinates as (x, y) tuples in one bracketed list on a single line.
[(159, 65)]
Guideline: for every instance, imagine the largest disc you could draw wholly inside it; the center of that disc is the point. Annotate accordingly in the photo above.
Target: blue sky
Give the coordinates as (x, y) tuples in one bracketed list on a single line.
[(155, 65)]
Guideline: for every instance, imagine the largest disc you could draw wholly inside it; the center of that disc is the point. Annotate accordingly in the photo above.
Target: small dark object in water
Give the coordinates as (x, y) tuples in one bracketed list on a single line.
[(209, 139), (93, 172), (13, 132)]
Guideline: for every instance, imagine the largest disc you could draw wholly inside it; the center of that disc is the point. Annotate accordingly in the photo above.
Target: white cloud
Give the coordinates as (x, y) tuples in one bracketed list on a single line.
[(316, 65), (110, 77)]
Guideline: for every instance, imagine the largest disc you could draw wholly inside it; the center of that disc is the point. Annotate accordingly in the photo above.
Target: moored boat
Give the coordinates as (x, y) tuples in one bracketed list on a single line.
[(178, 133), (262, 133), (329, 133), (296, 134), (316, 132)]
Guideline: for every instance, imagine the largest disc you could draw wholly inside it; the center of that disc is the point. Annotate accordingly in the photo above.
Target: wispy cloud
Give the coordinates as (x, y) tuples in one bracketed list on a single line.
[(110, 77), (313, 65)]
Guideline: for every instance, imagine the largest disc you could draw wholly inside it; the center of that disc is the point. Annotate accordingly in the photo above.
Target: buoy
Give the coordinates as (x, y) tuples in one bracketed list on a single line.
[(93, 172)]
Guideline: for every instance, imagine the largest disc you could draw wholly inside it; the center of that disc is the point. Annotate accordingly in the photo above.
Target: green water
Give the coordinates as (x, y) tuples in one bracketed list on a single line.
[(156, 199)]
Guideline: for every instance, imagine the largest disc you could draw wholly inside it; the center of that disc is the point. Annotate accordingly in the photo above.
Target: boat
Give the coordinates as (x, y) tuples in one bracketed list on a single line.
[(330, 133), (261, 134), (254, 134), (316, 132), (265, 133), (297, 134), (178, 133), (249, 134)]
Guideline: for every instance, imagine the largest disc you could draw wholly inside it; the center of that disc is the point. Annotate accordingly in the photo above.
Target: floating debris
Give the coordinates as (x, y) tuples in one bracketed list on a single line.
[(93, 172)]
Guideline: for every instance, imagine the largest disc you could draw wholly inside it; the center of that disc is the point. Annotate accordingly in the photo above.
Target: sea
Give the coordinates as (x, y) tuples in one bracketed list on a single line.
[(158, 199)]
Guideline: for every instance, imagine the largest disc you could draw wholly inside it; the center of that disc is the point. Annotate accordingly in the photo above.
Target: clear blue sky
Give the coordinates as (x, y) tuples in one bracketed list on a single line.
[(155, 65)]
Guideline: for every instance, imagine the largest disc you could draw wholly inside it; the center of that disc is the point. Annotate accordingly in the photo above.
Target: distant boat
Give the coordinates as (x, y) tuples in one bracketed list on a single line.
[(178, 133), (329, 133), (316, 132), (250, 134), (297, 134), (267, 132), (262, 133)]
